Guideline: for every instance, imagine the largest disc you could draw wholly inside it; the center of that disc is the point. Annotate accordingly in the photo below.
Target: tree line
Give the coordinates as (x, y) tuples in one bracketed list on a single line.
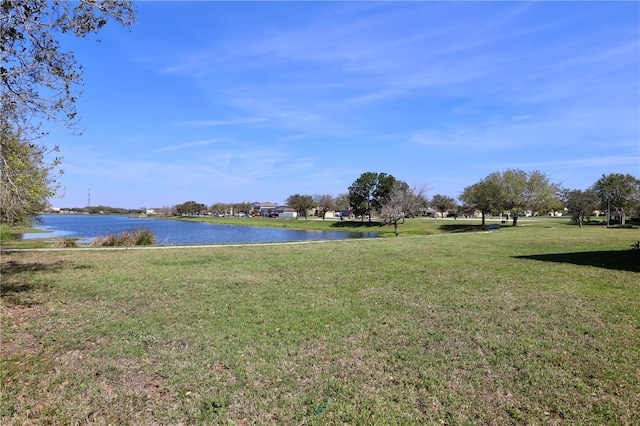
[(512, 191), (517, 191)]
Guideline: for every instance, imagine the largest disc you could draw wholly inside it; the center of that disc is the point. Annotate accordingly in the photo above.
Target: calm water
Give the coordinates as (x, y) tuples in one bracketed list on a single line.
[(87, 227)]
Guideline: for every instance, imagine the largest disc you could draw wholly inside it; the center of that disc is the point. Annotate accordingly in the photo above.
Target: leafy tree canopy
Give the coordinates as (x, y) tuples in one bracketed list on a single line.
[(580, 204), (617, 190), (443, 203), (190, 208), (25, 182), (37, 76), (370, 192), (483, 196), (514, 190), (40, 81), (522, 191), (300, 203)]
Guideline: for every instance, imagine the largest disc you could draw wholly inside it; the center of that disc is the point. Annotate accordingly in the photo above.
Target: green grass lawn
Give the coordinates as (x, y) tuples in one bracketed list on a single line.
[(416, 226), (538, 324)]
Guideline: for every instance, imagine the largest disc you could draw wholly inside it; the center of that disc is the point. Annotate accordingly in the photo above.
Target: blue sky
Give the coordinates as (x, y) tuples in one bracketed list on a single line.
[(256, 101)]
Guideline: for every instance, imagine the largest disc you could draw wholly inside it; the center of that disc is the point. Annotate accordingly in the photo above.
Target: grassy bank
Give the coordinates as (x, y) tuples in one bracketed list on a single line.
[(538, 324), (413, 226), (10, 237)]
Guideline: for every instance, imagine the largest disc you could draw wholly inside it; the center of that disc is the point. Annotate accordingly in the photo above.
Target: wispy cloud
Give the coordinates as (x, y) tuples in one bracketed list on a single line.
[(552, 129), (215, 123), (186, 145), (587, 162), (222, 165), (233, 103)]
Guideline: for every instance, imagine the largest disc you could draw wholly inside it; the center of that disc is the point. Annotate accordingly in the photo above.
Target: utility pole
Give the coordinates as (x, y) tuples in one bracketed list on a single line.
[(89, 199)]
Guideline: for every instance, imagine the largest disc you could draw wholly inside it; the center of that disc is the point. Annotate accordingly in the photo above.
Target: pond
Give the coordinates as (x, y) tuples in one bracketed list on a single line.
[(167, 231)]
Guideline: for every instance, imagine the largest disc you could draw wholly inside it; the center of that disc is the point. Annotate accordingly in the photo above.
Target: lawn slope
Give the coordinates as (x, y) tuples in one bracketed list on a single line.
[(527, 325)]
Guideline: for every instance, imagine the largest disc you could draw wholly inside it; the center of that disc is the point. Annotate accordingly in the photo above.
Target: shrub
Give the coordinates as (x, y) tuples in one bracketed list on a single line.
[(144, 237), (66, 243), (125, 239), (108, 240), (5, 234), (137, 237)]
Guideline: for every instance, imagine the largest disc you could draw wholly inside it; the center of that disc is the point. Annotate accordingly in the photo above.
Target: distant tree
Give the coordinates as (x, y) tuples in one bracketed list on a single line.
[(220, 209), (415, 200), (342, 201), (370, 192), (442, 203), (190, 208), (513, 190), (580, 204), (168, 210), (382, 190), (243, 207), (325, 203), (634, 210), (361, 194), (522, 191), (555, 204), (617, 190), (111, 210), (401, 202), (300, 203), (483, 196)]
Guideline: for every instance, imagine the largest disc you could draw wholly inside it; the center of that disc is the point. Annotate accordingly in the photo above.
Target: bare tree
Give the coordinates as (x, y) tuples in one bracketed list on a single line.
[(326, 202), (342, 201), (402, 201)]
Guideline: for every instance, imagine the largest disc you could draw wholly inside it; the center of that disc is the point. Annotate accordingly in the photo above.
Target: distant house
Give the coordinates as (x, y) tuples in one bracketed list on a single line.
[(429, 212), (264, 209), (452, 213), (331, 214), (285, 211), (337, 214)]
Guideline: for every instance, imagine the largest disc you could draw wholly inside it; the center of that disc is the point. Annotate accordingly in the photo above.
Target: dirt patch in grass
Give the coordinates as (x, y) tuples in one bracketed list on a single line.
[(17, 341)]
